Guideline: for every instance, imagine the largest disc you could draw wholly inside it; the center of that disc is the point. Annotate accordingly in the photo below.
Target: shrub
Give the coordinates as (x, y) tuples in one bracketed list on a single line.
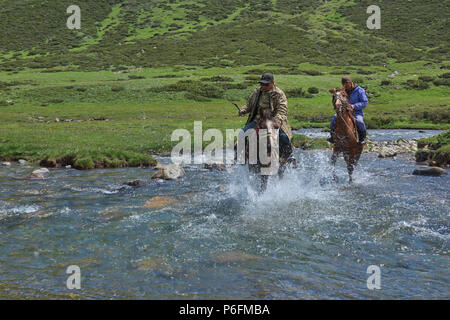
[(441, 82), (56, 100), (133, 77), (313, 90), (416, 84), (312, 72), (218, 79), (84, 164), (295, 93), (426, 78), (117, 88), (385, 82)]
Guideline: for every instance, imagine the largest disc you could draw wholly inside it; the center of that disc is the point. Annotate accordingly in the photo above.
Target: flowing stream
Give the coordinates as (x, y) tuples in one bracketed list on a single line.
[(304, 238)]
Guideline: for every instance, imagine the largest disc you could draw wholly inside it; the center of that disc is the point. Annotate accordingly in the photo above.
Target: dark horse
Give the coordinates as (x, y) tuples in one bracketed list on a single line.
[(345, 136), (262, 151)]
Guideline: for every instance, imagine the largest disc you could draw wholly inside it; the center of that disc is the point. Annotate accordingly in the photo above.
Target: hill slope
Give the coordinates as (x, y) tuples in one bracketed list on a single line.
[(119, 33)]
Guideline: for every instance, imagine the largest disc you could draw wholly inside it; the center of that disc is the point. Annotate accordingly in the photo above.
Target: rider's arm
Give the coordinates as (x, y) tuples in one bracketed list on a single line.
[(281, 109), (362, 100), (245, 109)]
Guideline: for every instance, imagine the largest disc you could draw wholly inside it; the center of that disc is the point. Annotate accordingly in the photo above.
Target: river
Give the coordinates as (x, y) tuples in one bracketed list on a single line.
[(305, 238)]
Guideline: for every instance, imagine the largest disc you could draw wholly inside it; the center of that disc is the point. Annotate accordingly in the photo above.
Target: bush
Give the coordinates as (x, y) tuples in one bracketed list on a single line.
[(133, 77), (117, 88), (84, 164), (426, 78), (416, 84), (313, 90), (442, 82), (218, 79), (295, 93), (56, 101), (385, 83), (435, 115), (312, 72)]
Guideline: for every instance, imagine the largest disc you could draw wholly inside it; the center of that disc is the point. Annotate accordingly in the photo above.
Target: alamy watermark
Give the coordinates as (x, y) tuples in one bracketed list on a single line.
[(74, 280), (374, 280), (374, 21), (263, 147), (74, 21)]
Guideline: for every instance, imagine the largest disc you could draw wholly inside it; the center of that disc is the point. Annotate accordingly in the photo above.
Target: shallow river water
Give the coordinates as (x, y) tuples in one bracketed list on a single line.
[(304, 238)]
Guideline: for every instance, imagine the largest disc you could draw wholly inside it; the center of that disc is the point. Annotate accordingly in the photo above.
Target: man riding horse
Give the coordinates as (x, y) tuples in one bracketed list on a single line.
[(272, 99), (358, 101)]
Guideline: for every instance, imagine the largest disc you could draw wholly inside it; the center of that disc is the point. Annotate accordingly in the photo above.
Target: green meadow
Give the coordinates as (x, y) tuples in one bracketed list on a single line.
[(114, 119)]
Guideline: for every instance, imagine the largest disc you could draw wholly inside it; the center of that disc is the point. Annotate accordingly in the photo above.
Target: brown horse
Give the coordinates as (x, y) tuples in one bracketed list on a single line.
[(346, 135)]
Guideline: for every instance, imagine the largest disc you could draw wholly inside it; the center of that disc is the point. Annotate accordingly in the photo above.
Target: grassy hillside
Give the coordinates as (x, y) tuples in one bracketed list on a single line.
[(152, 33), (110, 94)]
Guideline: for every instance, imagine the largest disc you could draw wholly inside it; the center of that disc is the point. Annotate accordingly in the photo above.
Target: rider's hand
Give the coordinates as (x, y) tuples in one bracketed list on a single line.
[(241, 113), (276, 124), (351, 107)]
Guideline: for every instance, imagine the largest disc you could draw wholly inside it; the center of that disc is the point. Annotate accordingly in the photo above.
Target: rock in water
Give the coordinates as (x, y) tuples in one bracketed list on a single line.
[(136, 183), (43, 171), (159, 202), (434, 171), (5, 164), (22, 162), (38, 174), (387, 153), (170, 172), (215, 166)]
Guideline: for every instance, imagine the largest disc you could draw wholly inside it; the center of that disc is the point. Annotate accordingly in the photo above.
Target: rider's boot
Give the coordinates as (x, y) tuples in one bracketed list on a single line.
[(330, 139), (362, 137)]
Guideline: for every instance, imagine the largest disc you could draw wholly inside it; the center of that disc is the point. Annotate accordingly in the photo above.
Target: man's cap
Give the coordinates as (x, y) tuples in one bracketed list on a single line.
[(266, 78), (346, 79)]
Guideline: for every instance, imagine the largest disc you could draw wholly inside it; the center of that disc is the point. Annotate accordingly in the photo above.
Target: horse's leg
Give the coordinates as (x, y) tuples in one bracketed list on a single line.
[(333, 163), (350, 160), (264, 180)]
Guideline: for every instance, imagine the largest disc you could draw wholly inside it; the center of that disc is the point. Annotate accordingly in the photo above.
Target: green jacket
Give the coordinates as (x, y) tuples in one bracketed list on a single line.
[(278, 104)]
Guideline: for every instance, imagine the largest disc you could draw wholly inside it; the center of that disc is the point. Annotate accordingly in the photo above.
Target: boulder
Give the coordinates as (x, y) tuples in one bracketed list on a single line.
[(169, 172), (387, 153), (22, 162), (136, 183), (159, 202), (434, 171), (43, 171), (219, 166), (5, 164)]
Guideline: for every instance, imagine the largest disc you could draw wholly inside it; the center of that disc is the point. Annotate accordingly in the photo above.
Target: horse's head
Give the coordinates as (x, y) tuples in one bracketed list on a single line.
[(340, 101), (266, 119)]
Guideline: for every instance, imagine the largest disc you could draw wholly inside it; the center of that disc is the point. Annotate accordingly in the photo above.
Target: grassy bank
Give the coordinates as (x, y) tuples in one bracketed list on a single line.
[(113, 119), (435, 150)]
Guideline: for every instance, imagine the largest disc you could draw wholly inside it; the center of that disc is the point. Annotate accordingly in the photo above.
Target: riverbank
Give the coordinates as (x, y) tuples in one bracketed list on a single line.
[(111, 119)]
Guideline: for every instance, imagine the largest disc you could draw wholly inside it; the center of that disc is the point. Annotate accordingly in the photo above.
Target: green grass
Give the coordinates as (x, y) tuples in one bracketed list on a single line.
[(149, 105)]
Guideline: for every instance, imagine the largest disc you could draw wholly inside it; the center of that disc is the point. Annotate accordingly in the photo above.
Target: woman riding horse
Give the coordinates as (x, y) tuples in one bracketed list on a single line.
[(345, 135)]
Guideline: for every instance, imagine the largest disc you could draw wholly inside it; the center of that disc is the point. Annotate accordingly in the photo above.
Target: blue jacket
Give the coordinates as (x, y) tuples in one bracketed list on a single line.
[(359, 100)]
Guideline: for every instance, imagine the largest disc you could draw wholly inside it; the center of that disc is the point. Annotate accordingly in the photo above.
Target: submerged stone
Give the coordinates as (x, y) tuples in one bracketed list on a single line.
[(159, 202), (434, 171)]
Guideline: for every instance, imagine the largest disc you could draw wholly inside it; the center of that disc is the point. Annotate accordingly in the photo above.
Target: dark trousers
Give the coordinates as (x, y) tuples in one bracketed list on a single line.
[(285, 143)]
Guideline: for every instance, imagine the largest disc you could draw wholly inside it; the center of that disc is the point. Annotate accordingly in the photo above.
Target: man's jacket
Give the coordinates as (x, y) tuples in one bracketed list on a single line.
[(358, 99), (278, 104)]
